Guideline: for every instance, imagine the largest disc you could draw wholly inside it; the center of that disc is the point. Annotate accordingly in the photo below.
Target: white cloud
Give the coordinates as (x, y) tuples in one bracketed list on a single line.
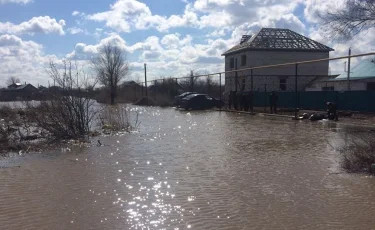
[(128, 15), (15, 1), (23, 59), (75, 13), (75, 30), (313, 7), (41, 24), (173, 40)]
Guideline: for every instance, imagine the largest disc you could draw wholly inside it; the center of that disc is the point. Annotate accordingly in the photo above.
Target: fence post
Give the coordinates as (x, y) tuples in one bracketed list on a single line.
[(220, 85), (296, 92), (265, 98)]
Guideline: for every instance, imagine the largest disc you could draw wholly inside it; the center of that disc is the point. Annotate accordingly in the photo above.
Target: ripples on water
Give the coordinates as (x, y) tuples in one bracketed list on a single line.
[(192, 170)]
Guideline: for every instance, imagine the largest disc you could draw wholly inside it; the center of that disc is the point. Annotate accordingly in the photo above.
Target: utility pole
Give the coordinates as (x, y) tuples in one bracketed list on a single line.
[(146, 79), (350, 53)]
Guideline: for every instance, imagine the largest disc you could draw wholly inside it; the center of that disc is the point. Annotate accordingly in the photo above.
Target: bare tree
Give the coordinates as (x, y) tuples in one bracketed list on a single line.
[(111, 68), (68, 113), (13, 80), (356, 16)]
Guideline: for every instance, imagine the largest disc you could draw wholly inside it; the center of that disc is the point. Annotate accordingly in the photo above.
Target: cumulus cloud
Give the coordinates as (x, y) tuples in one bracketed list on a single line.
[(23, 59), (15, 1), (128, 15), (41, 24)]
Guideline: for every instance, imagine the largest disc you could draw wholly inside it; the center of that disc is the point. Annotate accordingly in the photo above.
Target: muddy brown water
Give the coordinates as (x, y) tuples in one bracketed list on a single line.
[(196, 170)]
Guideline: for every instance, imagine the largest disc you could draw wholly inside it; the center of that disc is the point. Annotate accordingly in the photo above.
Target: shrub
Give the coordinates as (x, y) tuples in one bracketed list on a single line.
[(117, 118), (69, 114), (359, 152)]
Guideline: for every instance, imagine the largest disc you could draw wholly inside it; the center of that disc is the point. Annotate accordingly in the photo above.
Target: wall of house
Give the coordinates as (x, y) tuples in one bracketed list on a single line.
[(341, 85), (271, 76)]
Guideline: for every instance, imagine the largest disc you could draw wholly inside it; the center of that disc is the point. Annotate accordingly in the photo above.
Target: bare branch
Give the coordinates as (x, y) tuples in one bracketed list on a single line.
[(13, 80), (358, 15)]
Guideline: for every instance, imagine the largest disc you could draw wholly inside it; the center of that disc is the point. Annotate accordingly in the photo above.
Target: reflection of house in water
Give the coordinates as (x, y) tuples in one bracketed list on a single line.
[(362, 77), (275, 46), (18, 91)]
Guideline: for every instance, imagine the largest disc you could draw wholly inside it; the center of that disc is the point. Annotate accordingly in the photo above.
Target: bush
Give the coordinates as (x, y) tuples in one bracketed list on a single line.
[(116, 118), (65, 117), (6, 111), (359, 153), (69, 114)]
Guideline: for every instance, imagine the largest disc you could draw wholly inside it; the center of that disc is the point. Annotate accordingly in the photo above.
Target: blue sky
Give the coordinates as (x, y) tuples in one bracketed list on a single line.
[(172, 36)]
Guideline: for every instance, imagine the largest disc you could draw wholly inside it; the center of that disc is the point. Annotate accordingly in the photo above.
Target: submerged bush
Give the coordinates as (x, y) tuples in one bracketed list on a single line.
[(359, 153), (117, 118)]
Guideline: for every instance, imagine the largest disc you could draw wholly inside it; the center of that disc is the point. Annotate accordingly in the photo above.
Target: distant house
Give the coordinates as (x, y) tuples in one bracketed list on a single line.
[(26, 88), (130, 91), (362, 77), (271, 46), (18, 91)]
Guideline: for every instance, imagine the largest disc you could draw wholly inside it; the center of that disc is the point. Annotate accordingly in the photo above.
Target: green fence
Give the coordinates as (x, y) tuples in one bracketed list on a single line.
[(363, 101)]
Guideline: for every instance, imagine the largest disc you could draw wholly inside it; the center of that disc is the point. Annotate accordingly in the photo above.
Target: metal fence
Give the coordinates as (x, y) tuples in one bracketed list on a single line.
[(293, 84)]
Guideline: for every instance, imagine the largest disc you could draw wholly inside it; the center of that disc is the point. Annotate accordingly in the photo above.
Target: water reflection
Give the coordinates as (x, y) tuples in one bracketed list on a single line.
[(196, 170)]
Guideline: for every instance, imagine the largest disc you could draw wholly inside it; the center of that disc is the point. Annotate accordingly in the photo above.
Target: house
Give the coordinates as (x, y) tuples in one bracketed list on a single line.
[(130, 91), (362, 77), (19, 91), (272, 46)]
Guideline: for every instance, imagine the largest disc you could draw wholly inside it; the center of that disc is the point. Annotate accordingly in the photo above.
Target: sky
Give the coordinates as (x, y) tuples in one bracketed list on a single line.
[(171, 36)]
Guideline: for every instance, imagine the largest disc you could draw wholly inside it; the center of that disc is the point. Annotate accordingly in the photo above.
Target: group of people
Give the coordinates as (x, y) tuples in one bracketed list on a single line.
[(241, 101), (245, 101)]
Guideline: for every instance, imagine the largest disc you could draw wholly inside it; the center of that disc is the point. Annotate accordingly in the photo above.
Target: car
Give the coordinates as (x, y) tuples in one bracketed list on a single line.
[(177, 99), (200, 101)]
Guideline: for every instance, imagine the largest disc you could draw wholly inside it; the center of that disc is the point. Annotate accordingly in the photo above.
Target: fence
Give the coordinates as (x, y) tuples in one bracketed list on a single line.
[(298, 85)]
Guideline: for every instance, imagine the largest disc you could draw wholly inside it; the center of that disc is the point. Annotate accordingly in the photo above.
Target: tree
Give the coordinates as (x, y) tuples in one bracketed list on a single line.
[(356, 16), (13, 80), (111, 67), (67, 114)]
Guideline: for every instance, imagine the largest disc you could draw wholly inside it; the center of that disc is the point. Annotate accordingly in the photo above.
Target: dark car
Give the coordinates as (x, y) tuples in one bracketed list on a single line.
[(200, 101), (177, 99)]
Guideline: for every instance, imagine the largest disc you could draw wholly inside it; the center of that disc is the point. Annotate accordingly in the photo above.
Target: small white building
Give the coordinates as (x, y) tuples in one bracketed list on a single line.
[(362, 77), (275, 46)]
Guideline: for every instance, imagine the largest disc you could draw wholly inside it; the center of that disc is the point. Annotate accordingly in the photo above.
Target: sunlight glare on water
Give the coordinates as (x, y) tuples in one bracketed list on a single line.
[(202, 170)]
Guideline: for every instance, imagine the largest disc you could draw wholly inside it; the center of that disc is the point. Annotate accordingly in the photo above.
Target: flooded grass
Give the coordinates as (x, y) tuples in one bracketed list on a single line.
[(359, 153)]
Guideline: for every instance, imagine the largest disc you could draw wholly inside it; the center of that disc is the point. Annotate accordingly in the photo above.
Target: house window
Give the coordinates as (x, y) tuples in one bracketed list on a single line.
[(231, 63), (243, 60), (283, 84)]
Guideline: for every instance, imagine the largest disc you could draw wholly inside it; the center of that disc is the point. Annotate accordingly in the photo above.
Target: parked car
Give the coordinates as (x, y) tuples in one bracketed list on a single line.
[(200, 101), (177, 99)]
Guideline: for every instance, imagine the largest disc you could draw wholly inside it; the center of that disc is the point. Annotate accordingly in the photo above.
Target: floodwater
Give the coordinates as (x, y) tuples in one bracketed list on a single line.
[(192, 170)]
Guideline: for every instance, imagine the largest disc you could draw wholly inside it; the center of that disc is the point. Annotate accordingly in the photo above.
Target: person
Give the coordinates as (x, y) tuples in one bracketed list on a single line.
[(230, 98), (250, 99), (235, 100), (332, 111), (273, 102), (245, 101), (241, 100)]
